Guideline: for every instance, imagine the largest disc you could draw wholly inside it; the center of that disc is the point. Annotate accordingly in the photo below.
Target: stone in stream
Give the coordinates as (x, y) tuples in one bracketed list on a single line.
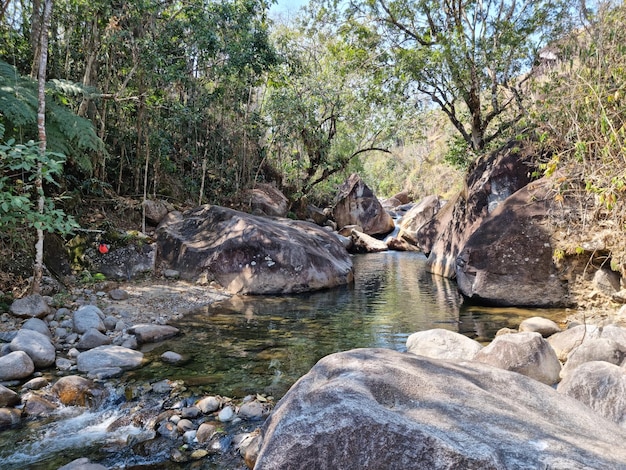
[(9, 417), (92, 338), (74, 390), (31, 306), (37, 325), (82, 464), (252, 255), (107, 357), (88, 316), (149, 333), (525, 353), (37, 346), (8, 397), (439, 343), (378, 408)]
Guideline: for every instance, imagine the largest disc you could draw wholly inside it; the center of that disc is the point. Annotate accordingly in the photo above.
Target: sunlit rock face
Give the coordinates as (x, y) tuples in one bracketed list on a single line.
[(247, 254), (378, 408), (356, 204)]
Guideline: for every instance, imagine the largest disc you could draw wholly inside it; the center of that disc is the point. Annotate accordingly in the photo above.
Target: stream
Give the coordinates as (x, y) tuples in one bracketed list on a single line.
[(251, 345)]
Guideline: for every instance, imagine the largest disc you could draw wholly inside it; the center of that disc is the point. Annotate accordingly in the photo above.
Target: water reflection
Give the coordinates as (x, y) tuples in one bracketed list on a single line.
[(264, 344)]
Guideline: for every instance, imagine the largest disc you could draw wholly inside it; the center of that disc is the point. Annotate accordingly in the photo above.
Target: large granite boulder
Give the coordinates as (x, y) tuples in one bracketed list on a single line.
[(356, 204), (566, 341), (417, 216), (107, 357), (598, 349), (377, 408), (507, 261), (16, 365), (490, 180), (252, 255), (266, 199), (438, 343)]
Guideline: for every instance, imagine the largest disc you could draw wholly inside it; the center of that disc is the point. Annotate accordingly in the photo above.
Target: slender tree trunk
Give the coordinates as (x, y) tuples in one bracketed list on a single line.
[(41, 127)]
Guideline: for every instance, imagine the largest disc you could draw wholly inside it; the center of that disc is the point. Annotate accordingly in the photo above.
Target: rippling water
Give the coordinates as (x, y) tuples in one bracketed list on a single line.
[(261, 344), (264, 344)]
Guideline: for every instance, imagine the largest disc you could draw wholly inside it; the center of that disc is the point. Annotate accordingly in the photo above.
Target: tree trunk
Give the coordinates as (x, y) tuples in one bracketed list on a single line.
[(41, 127)]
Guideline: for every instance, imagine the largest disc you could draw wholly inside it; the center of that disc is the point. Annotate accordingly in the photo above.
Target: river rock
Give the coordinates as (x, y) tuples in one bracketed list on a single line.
[(8, 397), (378, 408), (82, 464), (266, 199), (252, 255), (74, 390), (490, 180), (172, 357), (439, 343), (566, 341), (106, 357), (601, 386), (92, 338), (251, 410), (544, 326), (417, 216), (209, 404), (88, 316), (36, 345), (9, 417), (30, 306), (149, 333), (356, 204), (205, 432), (598, 349), (507, 260), (363, 243), (118, 294), (226, 414), (16, 365), (36, 406), (38, 325), (526, 353)]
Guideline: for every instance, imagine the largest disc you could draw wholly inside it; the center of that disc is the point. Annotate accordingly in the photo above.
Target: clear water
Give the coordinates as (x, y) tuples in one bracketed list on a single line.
[(264, 344)]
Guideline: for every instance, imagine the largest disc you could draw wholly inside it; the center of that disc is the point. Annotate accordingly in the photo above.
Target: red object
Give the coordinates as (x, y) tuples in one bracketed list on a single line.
[(103, 248)]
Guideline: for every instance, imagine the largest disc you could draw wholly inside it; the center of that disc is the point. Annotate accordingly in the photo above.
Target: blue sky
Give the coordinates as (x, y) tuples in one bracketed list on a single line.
[(287, 6)]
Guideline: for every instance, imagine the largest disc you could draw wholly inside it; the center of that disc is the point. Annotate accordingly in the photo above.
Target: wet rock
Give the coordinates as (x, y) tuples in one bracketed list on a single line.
[(35, 384), (149, 333), (8, 397), (168, 430), (599, 349), (363, 243), (30, 306), (205, 432), (37, 346), (357, 205), (82, 464), (543, 326), (118, 294), (251, 411), (108, 356), (63, 363), (226, 414), (190, 412), (601, 386), (74, 390), (209, 404), (92, 338), (88, 316), (566, 341), (252, 255), (439, 343), (38, 325), (526, 353), (185, 425), (172, 357), (9, 417), (36, 406), (162, 386), (378, 408)]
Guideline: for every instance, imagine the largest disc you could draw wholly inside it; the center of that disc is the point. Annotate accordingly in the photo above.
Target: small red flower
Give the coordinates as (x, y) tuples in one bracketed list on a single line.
[(103, 248)]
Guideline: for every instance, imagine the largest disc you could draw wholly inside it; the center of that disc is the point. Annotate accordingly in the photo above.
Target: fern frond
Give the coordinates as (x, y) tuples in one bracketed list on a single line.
[(69, 88)]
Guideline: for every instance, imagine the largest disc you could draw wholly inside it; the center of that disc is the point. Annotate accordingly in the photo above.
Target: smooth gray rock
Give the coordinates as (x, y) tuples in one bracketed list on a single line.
[(30, 306), (172, 357), (566, 341), (88, 316), (599, 349), (150, 333), (38, 325), (36, 345), (544, 326), (382, 409), (109, 357), (251, 411), (247, 254), (92, 338), (601, 386), (82, 464), (439, 343), (8, 397), (209, 404), (9, 417), (364, 243), (614, 332), (526, 353)]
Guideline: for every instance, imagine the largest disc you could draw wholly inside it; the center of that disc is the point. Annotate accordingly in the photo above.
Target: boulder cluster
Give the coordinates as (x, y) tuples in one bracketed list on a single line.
[(540, 397)]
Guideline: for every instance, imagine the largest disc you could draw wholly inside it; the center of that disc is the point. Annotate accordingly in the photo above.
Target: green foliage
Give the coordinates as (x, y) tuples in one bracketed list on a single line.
[(19, 168), (459, 153), (66, 132)]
